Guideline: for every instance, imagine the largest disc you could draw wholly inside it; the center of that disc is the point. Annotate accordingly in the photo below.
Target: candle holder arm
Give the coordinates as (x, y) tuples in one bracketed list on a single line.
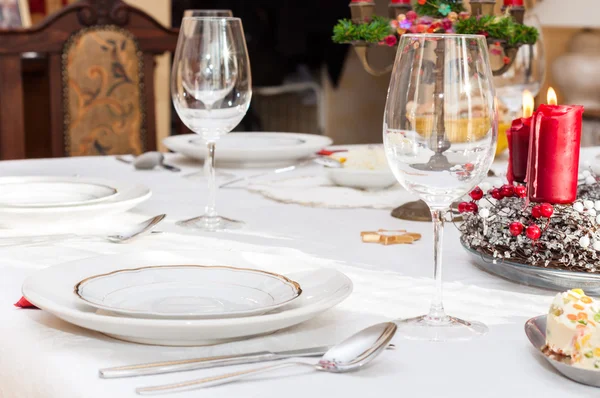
[(362, 50)]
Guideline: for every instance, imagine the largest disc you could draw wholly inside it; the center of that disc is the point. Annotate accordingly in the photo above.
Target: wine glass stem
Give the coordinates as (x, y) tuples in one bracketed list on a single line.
[(436, 312), (209, 168)]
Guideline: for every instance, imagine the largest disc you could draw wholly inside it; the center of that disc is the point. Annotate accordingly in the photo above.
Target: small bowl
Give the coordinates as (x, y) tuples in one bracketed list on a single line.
[(362, 179), (535, 329)]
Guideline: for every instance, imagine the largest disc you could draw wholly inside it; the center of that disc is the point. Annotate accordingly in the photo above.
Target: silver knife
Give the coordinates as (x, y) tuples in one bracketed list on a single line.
[(204, 363)]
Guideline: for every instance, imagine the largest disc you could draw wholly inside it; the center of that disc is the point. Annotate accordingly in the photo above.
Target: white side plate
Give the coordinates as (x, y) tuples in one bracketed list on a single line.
[(129, 196), (51, 191), (252, 149), (322, 288), (188, 291)]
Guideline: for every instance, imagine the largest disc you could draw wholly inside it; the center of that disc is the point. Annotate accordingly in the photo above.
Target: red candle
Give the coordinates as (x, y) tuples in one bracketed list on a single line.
[(518, 141), (518, 147), (554, 154), (513, 3)]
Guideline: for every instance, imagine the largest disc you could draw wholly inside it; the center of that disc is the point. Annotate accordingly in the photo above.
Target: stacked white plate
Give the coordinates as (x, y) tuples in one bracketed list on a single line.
[(253, 149), (185, 298), (37, 200)]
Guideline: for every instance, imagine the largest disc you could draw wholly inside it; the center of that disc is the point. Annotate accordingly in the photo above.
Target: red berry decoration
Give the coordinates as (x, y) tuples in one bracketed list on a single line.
[(507, 190), (476, 193), (462, 207), (521, 191), (533, 232), (469, 167), (472, 207), (496, 194), (546, 209), (536, 211), (515, 228)]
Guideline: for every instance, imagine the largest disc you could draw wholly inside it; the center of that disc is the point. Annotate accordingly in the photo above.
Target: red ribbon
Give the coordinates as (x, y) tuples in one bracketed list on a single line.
[(24, 303)]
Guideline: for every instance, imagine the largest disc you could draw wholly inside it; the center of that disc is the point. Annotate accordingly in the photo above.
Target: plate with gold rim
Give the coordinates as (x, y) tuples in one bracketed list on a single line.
[(323, 287), (188, 291)]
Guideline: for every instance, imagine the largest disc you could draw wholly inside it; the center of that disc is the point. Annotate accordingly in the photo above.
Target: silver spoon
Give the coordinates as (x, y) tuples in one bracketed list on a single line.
[(349, 355), (322, 160), (148, 161)]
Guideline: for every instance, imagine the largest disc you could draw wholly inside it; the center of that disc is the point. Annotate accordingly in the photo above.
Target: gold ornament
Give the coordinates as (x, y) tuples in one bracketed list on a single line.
[(401, 17), (389, 237), (453, 16), (400, 31)]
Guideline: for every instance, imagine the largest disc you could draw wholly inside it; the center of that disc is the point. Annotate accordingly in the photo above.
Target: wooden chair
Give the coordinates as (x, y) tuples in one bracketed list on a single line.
[(101, 79)]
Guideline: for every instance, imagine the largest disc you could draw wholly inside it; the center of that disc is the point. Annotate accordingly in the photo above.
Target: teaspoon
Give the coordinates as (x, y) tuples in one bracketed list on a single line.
[(349, 355)]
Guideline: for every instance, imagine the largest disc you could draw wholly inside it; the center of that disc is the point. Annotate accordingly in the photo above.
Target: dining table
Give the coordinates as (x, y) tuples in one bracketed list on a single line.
[(42, 356)]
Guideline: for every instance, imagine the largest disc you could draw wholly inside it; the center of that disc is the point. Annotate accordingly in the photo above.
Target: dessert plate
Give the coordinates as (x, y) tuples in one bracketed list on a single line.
[(362, 179), (547, 278), (252, 149), (535, 329), (364, 167), (322, 288), (129, 196), (188, 291), (52, 191)]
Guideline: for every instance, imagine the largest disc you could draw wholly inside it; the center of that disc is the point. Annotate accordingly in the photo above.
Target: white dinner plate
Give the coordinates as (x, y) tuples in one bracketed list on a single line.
[(129, 196), (51, 191), (188, 291), (252, 149), (51, 289)]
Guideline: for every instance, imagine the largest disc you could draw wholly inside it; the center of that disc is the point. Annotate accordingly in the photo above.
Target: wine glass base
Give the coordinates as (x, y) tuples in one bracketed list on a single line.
[(219, 175), (447, 328), (205, 223)]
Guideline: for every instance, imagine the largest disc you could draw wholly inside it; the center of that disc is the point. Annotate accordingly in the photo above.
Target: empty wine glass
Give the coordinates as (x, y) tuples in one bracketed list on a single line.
[(439, 133), (211, 89), (208, 13)]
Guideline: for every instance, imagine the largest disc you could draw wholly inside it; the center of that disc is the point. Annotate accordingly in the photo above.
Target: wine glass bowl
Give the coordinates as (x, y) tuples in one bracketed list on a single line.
[(211, 90), (207, 13), (439, 133)]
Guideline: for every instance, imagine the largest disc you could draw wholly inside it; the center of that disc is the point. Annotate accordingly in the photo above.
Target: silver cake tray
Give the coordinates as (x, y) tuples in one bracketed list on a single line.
[(546, 278), (535, 329)]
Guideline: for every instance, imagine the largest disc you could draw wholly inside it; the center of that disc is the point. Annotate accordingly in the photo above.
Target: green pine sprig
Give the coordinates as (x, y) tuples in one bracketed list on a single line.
[(498, 28), (346, 31)]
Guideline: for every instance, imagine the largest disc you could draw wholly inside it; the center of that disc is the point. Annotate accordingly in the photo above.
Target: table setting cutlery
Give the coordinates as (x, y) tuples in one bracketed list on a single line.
[(184, 365), (124, 234), (350, 355), (148, 161)]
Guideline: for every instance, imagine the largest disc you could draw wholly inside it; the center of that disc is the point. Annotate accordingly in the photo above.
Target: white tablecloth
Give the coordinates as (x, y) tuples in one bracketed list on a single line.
[(43, 357)]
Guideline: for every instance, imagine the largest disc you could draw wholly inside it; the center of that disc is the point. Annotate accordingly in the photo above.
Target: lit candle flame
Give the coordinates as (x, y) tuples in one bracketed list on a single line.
[(551, 97), (527, 104)]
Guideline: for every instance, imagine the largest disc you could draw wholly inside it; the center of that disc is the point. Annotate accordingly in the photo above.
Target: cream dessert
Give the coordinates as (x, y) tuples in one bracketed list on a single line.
[(572, 328)]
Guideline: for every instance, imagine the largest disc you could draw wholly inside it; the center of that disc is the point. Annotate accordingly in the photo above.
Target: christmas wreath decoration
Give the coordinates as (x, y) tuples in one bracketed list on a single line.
[(435, 16)]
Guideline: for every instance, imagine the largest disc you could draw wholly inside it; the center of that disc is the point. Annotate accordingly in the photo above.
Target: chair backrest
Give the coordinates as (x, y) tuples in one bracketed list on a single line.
[(101, 76)]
